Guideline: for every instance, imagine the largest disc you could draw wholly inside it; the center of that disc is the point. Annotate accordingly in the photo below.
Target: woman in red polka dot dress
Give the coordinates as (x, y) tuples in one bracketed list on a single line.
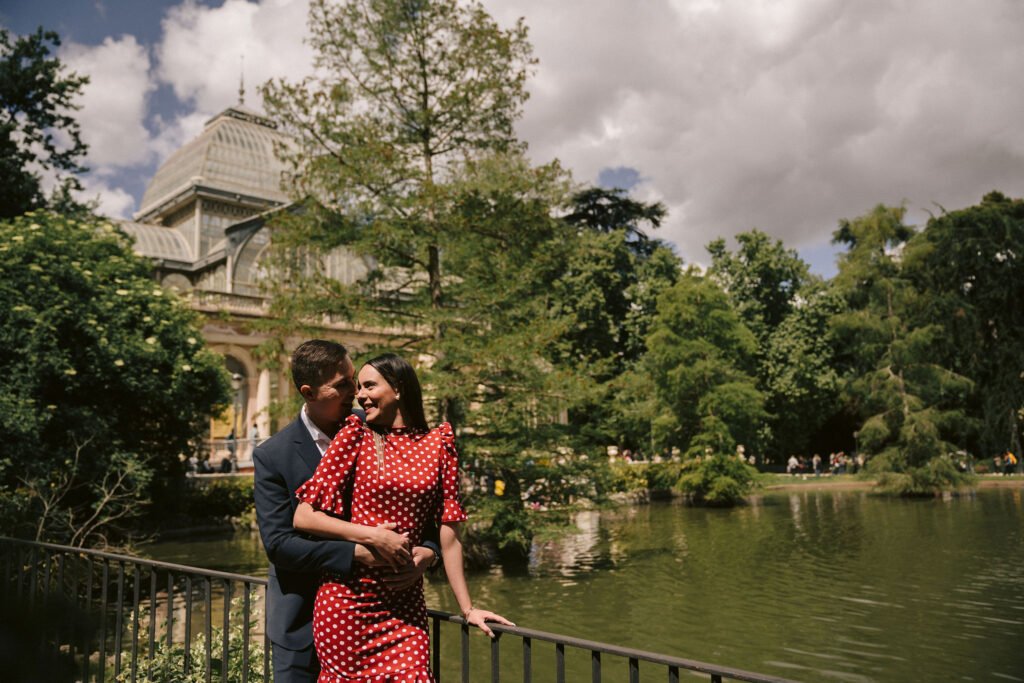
[(388, 478)]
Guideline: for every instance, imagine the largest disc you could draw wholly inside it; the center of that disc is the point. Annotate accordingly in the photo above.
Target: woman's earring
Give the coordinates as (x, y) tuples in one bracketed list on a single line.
[(397, 396)]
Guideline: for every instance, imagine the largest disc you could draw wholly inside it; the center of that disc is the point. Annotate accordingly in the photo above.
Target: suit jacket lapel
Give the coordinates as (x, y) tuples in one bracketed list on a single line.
[(305, 448)]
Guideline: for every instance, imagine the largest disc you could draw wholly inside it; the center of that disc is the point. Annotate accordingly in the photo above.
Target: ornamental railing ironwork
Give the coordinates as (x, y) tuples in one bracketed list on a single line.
[(109, 617)]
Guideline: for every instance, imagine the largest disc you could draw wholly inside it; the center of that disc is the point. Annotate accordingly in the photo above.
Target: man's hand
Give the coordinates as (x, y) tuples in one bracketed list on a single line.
[(368, 556), (407, 576)]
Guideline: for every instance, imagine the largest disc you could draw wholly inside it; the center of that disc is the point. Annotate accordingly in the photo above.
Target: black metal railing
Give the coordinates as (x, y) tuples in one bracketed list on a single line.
[(142, 620)]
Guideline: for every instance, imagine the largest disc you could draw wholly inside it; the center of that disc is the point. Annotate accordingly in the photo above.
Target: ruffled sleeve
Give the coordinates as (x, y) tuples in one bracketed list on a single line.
[(330, 488), (450, 509)]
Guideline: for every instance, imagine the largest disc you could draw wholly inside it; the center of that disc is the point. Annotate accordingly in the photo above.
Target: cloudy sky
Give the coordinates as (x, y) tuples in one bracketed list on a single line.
[(784, 115)]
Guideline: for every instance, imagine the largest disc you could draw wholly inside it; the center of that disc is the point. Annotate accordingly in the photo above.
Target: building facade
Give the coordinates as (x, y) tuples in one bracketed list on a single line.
[(205, 222)]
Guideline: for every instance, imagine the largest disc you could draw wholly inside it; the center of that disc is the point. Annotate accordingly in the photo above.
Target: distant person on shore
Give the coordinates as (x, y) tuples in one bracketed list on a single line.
[(816, 462), (323, 375), (1009, 463), (997, 464), (792, 464)]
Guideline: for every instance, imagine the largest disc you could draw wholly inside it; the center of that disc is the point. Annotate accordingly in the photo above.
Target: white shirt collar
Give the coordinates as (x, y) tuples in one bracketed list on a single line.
[(321, 439)]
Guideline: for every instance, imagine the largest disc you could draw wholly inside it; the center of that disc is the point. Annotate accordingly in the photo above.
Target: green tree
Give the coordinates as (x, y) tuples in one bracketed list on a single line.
[(800, 379), (762, 278), (405, 153), (605, 298), (969, 263), (613, 277), (106, 381), (410, 99), (788, 310), (38, 133), (913, 408), (700, 360)]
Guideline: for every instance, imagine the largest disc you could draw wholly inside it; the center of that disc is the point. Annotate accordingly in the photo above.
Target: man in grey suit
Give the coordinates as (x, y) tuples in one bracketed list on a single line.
[(324, 375)]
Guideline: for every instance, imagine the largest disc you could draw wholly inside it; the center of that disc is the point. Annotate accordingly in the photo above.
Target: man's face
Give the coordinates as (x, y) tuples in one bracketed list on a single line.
[(330, 403)]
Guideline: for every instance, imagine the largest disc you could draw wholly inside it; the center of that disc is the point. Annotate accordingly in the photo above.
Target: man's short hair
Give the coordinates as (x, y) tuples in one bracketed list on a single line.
[(316, 361)]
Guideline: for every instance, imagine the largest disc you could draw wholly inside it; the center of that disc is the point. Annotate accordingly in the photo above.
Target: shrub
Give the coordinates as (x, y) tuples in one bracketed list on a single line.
[(936, 476), (717, 481)]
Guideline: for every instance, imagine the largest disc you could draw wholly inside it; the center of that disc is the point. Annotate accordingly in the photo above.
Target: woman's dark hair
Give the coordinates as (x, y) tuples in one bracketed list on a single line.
[(397, 372)]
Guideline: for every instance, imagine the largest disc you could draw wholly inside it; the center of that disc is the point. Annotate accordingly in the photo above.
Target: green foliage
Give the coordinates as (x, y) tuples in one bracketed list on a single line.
[(787, 309), (699, 363), (936, 476), (913, 408), (605, 299), (167, 663), (717, 480), (662, 476), (107, 382), (38, 133), (762, 278), (222, 498), (798, 370), (968, 267)]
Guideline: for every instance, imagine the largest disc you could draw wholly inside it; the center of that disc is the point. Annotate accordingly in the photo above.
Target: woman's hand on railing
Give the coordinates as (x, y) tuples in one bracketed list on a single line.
[(479, 618)]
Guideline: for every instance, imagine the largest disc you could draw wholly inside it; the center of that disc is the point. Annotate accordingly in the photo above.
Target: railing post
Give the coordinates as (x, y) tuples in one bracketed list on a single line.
[(105, 578), (246, 606), (86, 641), (226, 636), (465, 653), (136, 605), (435, 656), (496, 658), (119, 619), (150, 650), (209, 628), (560, 662), (527, 661), (187, 596), (595, 666)]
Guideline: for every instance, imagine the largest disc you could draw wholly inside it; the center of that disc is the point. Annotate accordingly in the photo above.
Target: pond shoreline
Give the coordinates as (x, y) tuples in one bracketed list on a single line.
[(809, 482)]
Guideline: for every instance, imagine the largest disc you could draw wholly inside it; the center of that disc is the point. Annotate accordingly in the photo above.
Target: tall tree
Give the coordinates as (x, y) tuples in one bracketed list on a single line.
[(605, 298), (700, 360), (788, 310), (409, 94), (613, 277), (969, 262), (913, 408), (38, 133)]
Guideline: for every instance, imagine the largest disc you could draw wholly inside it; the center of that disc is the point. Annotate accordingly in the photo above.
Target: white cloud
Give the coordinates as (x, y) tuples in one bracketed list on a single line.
[(783, 115), (113, 103), (114, 202), (200, 55)]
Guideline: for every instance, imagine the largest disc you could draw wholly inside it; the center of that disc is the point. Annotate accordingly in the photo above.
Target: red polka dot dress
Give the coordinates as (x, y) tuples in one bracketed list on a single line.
[(363, 631)]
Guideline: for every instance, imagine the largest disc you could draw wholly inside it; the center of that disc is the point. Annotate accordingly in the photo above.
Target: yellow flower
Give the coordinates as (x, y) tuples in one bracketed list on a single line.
[(119, 362)]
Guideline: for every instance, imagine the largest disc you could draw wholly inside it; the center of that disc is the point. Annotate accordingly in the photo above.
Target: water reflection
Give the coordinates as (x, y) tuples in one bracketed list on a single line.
[(812, 585)]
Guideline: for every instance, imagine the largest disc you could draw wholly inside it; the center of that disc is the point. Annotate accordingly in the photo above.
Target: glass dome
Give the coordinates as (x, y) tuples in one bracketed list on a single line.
[(234, 153)]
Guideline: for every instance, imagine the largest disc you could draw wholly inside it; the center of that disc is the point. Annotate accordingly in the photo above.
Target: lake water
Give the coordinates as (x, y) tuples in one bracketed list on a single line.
[(809, 585)]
